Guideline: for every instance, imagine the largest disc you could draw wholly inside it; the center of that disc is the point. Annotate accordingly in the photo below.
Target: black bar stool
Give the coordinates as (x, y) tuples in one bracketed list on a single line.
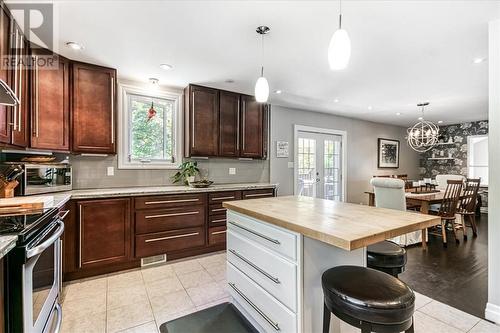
[(367, 299), (387, 257)]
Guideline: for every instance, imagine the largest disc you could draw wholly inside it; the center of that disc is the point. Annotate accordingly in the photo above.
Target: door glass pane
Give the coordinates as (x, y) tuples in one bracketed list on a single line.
[(331, 156), (307, 167), (43, 280)]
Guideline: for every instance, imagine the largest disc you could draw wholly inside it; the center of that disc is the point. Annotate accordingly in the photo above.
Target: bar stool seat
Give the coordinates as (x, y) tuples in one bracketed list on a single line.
[(367, 299), (387, 257)]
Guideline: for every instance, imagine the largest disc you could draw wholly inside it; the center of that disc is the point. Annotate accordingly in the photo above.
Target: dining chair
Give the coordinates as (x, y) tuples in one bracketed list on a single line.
[(448, 208), (468, 205), (442, 180)]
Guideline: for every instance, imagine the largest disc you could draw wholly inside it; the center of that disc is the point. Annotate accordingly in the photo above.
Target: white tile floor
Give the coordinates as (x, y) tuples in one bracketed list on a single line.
[(139, 301)]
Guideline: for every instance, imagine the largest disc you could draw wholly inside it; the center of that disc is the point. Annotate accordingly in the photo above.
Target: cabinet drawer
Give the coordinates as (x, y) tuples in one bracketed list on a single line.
[(277, 239), (217, 235), (167, 201), (219, 197), (256, 194), (217, 220), (272, 272), (147, 221), (215, 209), (168, 241), (268, 312)]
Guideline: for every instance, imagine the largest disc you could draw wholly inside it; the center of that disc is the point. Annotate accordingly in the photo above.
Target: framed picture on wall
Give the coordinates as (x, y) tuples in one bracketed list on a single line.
[(388, 153)]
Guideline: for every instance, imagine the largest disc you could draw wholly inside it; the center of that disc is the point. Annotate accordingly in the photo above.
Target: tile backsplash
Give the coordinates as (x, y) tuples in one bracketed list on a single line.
[(91, 172)]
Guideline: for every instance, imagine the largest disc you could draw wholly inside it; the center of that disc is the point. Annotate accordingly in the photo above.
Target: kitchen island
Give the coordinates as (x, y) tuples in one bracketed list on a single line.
[(277, 249)]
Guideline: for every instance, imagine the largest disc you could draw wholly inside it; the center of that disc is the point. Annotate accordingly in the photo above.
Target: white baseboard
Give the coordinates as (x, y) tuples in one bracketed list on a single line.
[(492, 313)]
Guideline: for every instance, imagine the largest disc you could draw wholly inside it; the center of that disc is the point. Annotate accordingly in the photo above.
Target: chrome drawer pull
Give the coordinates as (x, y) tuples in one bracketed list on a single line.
[(223, 198), (173, 214), (258, 195), (257, 268), (169, 201), (259, 311), (219, 232), (220, 220), (171, 237), (272, 240), (219, 209)]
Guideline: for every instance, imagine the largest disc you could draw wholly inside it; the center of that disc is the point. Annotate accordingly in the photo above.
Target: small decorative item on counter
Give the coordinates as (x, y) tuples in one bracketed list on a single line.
[(187, 173), (8, 181), (201, 184)]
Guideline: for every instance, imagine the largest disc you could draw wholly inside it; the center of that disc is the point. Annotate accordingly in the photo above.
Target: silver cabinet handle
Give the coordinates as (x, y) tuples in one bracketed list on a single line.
[(238, 127), (112, 109), (19, 107), (223, 198), (36, 97), (172, 214), (80, 238), (219, 209), (258, 195), (191, 112), (171, 237), (269, 239), (220, 220), (243, 111), (219, 232), (15, 107), (274, 324), (64, 214), (169, 201), (257, 268)]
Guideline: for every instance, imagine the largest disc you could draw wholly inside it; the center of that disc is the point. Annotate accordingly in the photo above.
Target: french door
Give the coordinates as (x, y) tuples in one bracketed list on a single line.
[(318, 166)]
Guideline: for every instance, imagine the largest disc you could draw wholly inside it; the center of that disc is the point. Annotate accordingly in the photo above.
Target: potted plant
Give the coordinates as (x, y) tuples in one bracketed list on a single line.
[(187, 173)]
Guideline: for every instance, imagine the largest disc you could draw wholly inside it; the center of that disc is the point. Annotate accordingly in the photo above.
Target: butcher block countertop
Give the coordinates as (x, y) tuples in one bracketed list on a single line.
[(344, 225)]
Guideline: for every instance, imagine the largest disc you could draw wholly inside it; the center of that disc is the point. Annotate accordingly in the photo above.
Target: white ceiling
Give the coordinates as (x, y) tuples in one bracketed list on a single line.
[(403, 52)]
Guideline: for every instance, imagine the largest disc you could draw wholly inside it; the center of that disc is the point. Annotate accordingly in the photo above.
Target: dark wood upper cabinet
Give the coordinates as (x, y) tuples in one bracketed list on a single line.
[(93, 113), (252, 128), (5, 111), (105, 232), (50, 103), (201, 121), (229, 119)]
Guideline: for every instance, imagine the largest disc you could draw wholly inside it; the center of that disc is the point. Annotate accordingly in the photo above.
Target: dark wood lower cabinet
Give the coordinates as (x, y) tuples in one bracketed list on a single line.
[(217, 235), (169, 241)]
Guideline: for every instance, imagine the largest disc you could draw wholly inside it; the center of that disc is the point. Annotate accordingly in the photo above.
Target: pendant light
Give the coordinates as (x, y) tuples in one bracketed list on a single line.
[(339, 50), (262, 86), (424, 134)]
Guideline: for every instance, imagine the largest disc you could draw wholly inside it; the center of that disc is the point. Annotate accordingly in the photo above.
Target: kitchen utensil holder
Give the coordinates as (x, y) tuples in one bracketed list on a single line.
[(7, 188)]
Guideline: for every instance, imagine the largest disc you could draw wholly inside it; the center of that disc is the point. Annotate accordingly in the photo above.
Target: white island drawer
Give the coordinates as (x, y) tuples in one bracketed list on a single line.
[(270, 314), (275, 274), (274, 238)]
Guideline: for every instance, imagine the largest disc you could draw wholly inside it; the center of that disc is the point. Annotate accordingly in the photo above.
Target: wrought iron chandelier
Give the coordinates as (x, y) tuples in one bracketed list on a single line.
[(423, 135)]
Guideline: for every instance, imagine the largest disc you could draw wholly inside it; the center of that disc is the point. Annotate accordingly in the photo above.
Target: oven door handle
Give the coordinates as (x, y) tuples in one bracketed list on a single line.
[(51, 240), (58, 309)]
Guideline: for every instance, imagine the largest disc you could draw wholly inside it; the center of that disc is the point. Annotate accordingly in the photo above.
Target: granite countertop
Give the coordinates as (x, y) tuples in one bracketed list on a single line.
[(344, 225), (7, 243)]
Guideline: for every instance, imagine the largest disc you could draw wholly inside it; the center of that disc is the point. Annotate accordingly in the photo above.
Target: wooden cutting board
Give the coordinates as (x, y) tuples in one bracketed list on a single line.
[(23, 204)]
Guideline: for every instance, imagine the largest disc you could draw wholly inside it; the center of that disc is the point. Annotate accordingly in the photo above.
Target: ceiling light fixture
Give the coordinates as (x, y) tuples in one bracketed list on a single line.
[(370, 107), (339, 50), (423, 135), (478, 60), (278, 91), (336, 100), (398, 113), (154, 83), (74, 45), (440, 121), (166, 67), (262, 86)]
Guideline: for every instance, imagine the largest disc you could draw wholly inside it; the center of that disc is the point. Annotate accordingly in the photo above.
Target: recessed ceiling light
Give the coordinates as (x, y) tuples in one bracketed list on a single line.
[(336, 100), (166, 67), (420, 118), (440, 121), (154, 82), (398, 113), (74, 45), (478, 60), (278, 91), (370, 107)]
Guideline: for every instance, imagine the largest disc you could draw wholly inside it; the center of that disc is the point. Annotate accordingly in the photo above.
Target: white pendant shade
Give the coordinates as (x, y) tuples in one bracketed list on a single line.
[(339, 50), (261, 90)]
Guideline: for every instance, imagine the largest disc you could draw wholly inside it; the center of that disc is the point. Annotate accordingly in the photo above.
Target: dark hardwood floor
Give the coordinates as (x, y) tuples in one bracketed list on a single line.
[(457, 275)]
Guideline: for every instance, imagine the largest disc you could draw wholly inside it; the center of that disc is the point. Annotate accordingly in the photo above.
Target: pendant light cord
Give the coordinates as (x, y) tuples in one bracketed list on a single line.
[(340, 14), (262, 57)]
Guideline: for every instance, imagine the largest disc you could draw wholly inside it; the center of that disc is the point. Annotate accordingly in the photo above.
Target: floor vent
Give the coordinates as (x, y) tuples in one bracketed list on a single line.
[(159, 259)]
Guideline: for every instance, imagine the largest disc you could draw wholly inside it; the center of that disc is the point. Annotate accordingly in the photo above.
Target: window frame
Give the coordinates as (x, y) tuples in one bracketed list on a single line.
[(469, 157), (124, 90)]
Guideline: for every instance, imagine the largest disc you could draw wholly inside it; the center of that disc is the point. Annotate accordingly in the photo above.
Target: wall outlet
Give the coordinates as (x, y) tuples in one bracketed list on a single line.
[(290, 165), (111, 171), (232, 171)]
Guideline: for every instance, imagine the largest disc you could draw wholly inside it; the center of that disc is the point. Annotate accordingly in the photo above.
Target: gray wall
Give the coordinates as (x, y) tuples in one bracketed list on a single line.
[(361, 149), (91, 172)]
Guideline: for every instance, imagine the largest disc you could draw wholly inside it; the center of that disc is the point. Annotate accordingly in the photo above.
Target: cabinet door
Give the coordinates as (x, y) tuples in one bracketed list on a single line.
[(20, 128), (50, 106), (252, 123), (4, 75), (93, 121), (229, 120), (202, 117), (104, 232)]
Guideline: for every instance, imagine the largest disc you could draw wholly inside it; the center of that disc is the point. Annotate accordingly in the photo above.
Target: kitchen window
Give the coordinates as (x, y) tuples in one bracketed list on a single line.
[(150, 129), (477, 157)]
